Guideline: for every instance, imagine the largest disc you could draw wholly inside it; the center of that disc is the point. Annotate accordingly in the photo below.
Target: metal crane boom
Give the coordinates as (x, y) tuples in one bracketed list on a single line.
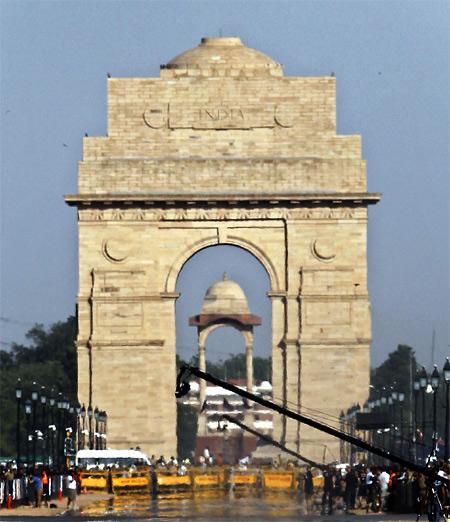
[(183, 387)]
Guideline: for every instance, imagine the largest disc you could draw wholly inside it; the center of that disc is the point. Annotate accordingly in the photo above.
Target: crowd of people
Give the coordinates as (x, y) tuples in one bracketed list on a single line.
[(331, 489), (203, 461), (38, 485), (375, 489)]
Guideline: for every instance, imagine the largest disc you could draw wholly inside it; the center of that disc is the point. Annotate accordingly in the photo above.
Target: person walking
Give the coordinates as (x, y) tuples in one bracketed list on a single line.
[(309, 490), (351, 486), (370, 478), (71, 485), (329, 481), (362, 488), (384, 479), (45, 490), (35, 479)]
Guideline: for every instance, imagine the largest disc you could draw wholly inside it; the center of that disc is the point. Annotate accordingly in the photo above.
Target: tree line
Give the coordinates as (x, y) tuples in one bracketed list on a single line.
[(49, 359)]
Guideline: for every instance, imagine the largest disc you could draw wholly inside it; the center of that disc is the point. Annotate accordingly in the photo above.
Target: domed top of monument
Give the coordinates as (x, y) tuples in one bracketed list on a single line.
[(223, 57), (225, 297)]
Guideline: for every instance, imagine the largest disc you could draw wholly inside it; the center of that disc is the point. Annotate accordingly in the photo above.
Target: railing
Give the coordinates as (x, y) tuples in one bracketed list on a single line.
[(19, 490)]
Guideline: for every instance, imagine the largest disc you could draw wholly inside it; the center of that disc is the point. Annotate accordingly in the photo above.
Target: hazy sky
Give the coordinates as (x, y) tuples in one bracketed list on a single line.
[(391, 60)]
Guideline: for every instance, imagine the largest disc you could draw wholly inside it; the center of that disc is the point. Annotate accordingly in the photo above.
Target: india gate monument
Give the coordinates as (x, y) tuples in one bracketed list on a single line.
[(222, 148)]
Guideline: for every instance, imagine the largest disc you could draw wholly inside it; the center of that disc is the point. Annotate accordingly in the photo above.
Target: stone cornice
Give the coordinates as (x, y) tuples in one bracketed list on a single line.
[(309, 297), (125, 343), (237, 212), (277, 294), (116, 297), (213, 199), (359, 342)]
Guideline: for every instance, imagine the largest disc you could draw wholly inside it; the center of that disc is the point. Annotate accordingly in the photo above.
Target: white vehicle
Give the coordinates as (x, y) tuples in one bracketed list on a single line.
[(88, 459)]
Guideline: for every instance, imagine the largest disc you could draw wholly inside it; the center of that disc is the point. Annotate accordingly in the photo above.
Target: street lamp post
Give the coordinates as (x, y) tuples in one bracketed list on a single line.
[(423, 378), (52, 402), (60, 435), (401, 398), (377, 434), (105, 428), (416, 387), (435, 378), (34, 398), (66, 407), (102, 430), (90, 413), (28, 415), (383, 401), (44, 422), (447, 408), (96, 416), (71, 417), (365, 409), (78, 410), (391, 410), (70, 434), (371, 433), (83, 423), (18, 398)]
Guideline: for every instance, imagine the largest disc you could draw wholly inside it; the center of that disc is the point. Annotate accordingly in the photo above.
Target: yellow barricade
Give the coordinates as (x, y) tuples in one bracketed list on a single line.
[(93, 482), (278, 480), (243, 480), (206, 480), (131, 482), (173, 480)]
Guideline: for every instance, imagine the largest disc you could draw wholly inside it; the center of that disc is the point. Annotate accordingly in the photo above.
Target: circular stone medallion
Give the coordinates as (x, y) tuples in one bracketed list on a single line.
[(285, 115), (156, 116), (115, 249), (323, 250)]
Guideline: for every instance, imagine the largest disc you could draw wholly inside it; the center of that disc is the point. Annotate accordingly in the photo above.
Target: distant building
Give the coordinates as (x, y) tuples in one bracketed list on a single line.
[(225, 305), (232, 443)]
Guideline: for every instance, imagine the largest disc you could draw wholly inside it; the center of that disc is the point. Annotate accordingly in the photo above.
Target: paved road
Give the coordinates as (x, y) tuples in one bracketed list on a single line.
[(212, 506), (215, 506), (233, 518)]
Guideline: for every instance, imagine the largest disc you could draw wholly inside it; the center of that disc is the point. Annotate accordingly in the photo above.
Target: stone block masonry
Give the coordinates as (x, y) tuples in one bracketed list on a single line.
[(221, 149)]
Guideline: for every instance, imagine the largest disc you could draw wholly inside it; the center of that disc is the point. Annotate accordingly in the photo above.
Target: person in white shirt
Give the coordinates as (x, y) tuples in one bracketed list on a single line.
[(71, 485), (384, 487), (369, 488)]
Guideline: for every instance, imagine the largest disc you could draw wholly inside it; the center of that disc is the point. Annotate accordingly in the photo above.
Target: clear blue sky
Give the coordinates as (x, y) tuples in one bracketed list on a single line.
[(391, 60)]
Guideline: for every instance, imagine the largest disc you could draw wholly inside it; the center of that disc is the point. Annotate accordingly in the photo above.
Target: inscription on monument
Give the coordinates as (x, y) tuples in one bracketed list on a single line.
[(218, 115)]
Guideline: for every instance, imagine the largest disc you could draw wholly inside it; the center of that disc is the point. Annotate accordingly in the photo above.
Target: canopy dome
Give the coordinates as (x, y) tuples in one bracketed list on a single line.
[(225, 297), (223, 57)]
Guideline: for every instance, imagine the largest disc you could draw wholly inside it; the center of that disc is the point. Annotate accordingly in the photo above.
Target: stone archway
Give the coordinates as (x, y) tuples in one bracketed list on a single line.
[(250, 159), (235, 240)]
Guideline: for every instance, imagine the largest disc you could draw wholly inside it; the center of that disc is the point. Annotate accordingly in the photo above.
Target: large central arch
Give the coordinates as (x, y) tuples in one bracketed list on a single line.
[(196, 246), (251, 159)]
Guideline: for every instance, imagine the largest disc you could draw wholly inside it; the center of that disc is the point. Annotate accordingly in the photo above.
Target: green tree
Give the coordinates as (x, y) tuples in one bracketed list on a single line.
[(397, 371), (235, 366), (49, 360)]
